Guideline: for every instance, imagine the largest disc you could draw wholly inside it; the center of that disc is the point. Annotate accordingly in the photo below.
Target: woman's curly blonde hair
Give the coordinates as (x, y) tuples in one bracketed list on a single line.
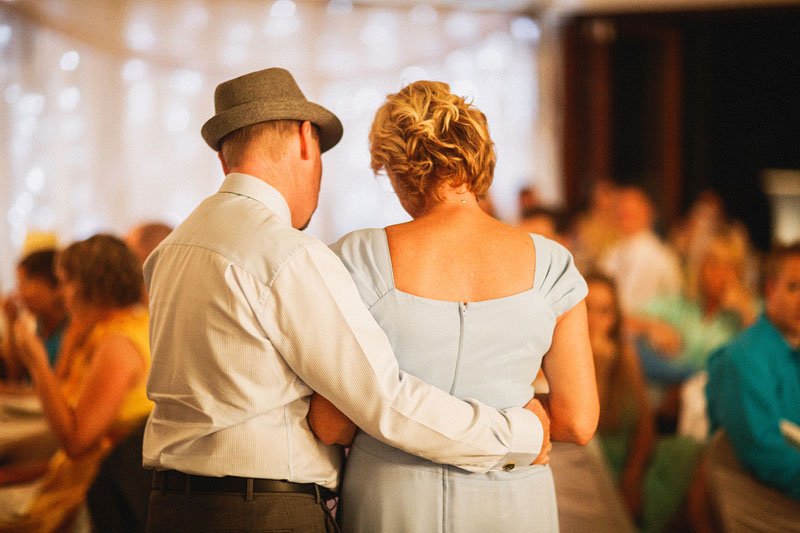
[(425, 135)]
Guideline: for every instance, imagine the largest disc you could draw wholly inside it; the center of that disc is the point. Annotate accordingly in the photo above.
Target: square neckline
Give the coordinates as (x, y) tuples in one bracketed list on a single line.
[(393, 286)]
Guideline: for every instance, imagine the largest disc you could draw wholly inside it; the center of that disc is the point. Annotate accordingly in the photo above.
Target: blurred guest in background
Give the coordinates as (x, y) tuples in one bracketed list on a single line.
[(545, 221), (754, 381), (143, 238), (675, 334), (97, 393), (706, 219), (691, 235), (653, 473), (594, 229), (528, 198), (640, 263), (682, 329), (38, 291)]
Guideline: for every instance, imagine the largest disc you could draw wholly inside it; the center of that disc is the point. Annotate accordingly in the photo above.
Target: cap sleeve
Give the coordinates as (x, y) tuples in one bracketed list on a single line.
[(361, 254), (557, 278)]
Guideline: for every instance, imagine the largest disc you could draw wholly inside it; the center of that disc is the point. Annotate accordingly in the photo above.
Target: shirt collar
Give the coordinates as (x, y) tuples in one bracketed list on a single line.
[(769, 325), (260, 191)]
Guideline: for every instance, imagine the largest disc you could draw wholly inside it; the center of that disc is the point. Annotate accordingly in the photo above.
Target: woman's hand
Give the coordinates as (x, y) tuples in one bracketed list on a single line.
[(328, 423), (539, 409), (11, 307), (31, 350), (664, 338)]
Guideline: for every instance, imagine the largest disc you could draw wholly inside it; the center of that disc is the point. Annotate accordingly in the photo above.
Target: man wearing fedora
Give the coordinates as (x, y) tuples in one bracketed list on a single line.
[(249, 316)]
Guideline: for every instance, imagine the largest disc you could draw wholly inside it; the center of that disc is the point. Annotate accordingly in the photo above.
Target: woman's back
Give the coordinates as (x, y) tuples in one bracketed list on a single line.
[(488, 349), (462, 256), (469, 305), (466, 337)]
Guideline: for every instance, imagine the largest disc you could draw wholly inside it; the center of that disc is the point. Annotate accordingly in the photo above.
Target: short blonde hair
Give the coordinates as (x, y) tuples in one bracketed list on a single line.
[(425, 135), (236, 143), (727, 245)]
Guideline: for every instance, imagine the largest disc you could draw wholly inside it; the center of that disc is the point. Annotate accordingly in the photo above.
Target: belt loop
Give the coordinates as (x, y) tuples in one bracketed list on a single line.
[(187, 484), (316, 493), (249, 495)]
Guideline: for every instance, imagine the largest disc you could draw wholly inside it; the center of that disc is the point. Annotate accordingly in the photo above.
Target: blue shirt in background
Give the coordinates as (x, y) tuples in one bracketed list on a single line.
[(53, 343), (753, 383)]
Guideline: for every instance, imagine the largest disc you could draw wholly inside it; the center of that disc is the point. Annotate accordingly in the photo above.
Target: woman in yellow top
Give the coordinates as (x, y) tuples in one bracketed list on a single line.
[(97, 393)]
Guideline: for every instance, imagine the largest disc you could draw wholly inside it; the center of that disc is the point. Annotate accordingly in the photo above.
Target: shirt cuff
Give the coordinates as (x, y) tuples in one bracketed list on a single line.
[(527, 434)]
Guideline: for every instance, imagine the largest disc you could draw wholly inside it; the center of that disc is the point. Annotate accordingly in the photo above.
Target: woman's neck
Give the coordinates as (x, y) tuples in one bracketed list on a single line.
[(451, 204), (86, 317), (49, 322)]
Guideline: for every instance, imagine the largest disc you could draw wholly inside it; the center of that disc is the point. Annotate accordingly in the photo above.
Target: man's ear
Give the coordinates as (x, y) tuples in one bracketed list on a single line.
[(307, 140), (224, 164)]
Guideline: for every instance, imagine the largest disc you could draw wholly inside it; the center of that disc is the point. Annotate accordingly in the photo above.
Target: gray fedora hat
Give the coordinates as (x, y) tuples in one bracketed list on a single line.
[(270, 94)]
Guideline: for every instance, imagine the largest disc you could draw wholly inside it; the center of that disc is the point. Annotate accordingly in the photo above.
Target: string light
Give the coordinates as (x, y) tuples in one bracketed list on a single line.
[(282, 8), (5, 35), (162, 94), (70, 61)]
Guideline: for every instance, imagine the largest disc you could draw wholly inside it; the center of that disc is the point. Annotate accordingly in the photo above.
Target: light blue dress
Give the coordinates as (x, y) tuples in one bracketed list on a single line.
[(489, 351)]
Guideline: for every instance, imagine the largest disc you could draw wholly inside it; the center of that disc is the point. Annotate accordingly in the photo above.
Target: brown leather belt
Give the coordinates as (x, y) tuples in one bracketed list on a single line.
[(174, 481)]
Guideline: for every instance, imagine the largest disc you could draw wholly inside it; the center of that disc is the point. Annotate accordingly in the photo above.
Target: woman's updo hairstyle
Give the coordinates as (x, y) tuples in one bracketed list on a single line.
[(424, 136)]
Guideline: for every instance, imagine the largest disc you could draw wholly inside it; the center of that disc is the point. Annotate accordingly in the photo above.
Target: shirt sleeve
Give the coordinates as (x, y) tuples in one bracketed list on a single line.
[(560, 283), (317, 321), (743, 399), (366, 267), (659, 307)]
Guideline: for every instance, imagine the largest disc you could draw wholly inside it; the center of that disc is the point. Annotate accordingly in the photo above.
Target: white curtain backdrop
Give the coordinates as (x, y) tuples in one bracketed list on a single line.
[(101, 103)]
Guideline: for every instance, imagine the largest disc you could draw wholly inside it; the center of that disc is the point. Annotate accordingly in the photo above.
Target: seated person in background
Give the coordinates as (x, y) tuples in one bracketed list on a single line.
[(39, 292), (545, 221), (528, 198), (144, 238), (654, 474), (118, 497), (97, 394), (754, 381), (593, 232), (675, 334), (641, 264), (706, 218)]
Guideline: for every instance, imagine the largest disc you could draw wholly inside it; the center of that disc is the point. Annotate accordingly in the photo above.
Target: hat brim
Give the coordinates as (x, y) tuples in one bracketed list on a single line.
[(221, 124)]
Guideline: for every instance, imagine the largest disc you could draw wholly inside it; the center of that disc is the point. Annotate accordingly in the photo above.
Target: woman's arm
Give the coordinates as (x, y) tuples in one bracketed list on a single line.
[(116, 366), (328, 423), (569, 368), (661, 335), (22, 472)]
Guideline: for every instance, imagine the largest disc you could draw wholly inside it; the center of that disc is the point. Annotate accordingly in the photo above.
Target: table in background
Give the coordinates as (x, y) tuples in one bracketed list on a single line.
[(25, 433)]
